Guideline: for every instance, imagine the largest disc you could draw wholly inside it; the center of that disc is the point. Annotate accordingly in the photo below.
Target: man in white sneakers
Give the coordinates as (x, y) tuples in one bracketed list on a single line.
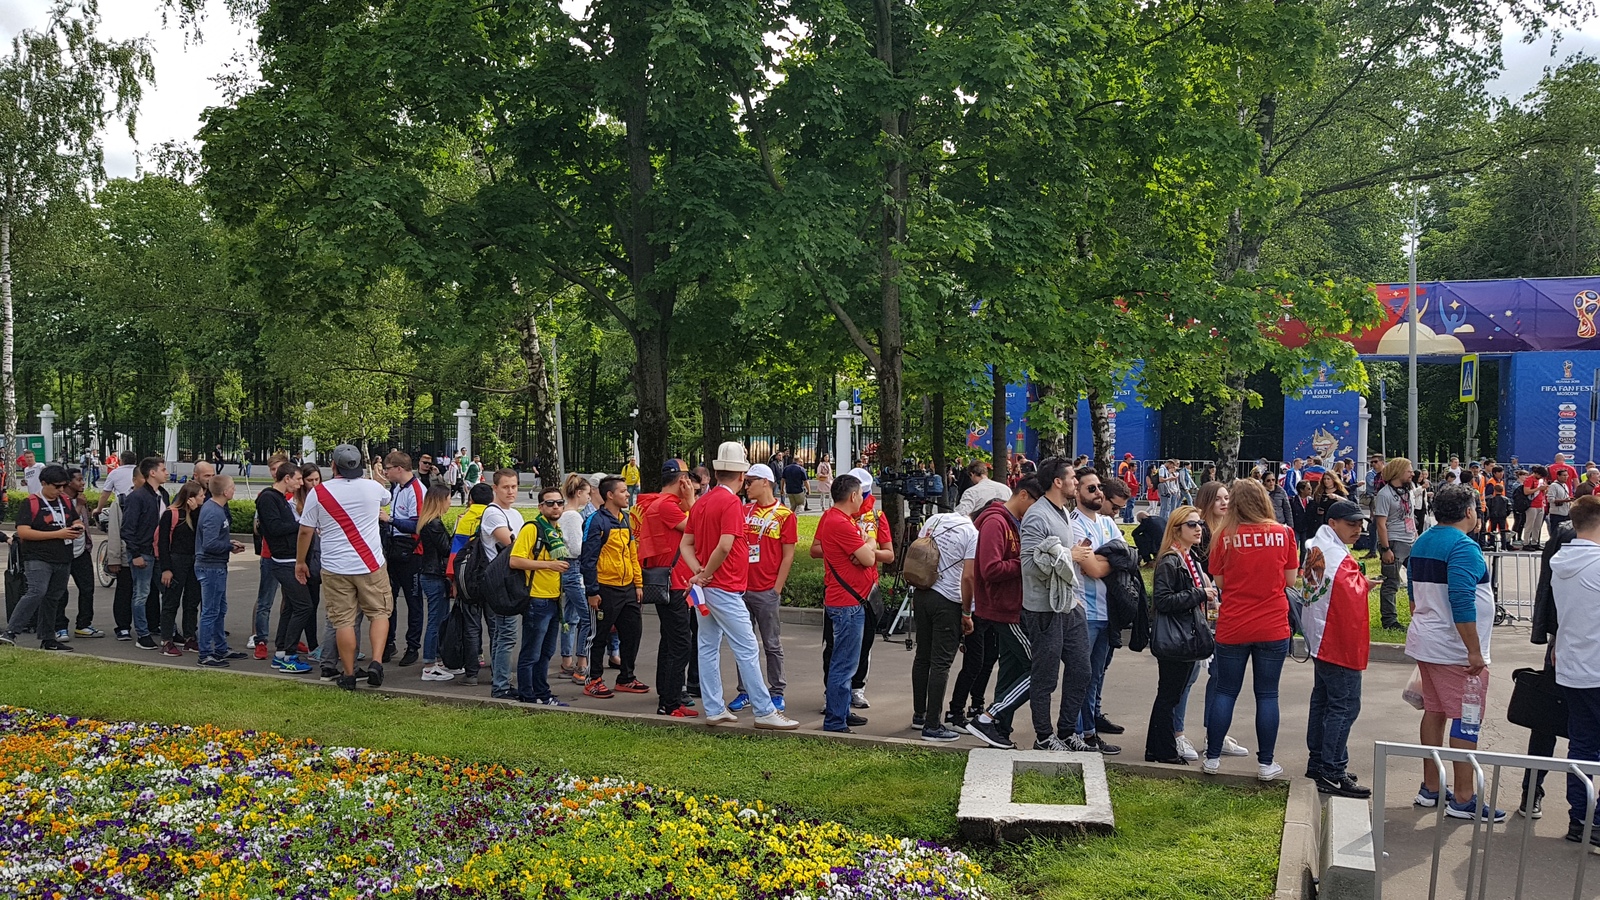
[(343, 511), (716, 546)]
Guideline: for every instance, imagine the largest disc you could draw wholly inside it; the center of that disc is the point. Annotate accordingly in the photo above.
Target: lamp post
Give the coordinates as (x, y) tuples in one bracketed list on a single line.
[(1411, 340)]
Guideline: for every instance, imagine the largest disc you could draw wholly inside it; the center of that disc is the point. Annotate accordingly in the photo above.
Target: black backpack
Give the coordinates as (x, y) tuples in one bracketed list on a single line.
[(1519, 498), (453, 643), (470, 565)]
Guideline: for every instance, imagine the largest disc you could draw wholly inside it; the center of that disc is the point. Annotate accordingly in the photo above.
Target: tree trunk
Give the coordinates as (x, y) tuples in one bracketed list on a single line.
[(891, 233), (650, 392), (8, 371), (1230, 430), (1054, 441), (1100, 424), (542, 396), (998, 428), (710, 420)]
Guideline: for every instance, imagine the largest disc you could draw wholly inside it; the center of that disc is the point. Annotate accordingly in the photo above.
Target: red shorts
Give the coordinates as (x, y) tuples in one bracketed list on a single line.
[(1443, 685)]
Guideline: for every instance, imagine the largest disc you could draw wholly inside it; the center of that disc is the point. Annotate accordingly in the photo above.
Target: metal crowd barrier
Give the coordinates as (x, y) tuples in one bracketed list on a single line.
[(1482, 831), (1514, 577)]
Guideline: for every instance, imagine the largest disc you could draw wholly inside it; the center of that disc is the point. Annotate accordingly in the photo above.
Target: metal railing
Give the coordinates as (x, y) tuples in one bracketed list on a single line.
[(1514, 578), (1478, 861)]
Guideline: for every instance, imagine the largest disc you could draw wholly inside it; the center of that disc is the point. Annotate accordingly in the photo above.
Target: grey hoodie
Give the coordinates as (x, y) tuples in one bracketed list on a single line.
[(1575, 582), (1046, 587)]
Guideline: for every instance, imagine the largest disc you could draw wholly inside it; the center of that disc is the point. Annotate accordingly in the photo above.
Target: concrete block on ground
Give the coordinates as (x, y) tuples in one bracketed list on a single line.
[(1348, 869), (987, 812)]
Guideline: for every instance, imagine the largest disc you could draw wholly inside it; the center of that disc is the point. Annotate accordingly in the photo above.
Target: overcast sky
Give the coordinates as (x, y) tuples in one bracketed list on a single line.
[(185, 87)]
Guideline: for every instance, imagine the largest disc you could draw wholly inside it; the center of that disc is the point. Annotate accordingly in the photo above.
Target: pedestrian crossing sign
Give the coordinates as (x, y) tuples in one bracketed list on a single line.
[(1469, 378)]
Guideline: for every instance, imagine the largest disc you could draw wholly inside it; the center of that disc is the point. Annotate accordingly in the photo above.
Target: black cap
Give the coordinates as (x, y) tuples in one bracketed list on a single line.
[(673, 467), (1350, 512)]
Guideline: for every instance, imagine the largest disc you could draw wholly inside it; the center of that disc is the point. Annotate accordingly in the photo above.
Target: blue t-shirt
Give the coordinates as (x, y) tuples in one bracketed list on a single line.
[(794, 479)]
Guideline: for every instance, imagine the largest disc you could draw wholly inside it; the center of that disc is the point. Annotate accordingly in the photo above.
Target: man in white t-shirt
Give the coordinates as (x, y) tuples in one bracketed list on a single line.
[(497, 531), (943, 616), (1090, 531), (344, 511), (119, 482), (983, 491)]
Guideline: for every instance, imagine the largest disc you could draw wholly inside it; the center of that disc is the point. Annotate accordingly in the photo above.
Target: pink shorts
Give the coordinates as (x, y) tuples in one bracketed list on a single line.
[(1442, 686)]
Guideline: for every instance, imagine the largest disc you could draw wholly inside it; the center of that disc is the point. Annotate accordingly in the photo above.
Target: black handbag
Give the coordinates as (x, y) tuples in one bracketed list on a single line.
[(1537, 702), (1181, 637), (658, 582)]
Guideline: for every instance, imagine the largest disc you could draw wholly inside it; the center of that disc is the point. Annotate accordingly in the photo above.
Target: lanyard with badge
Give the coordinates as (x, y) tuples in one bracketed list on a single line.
[(764, 522)]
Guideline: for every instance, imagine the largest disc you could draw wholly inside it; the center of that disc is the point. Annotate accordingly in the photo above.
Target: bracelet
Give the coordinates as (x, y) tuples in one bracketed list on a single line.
[(966, 615)]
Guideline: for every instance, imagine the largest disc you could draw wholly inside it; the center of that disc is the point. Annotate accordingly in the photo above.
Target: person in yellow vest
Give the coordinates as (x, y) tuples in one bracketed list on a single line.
[(540, 553), (630, 477)]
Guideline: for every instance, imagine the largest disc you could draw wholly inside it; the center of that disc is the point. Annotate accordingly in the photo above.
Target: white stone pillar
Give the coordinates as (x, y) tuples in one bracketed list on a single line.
[(308, 447), (464, 415), (47, 427), (169, 446), (94, 437), (843, 422), (1363, 433)]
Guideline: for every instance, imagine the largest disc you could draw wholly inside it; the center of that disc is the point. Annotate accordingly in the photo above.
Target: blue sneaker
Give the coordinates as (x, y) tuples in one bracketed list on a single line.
[(1429, 799), (290, 665), (1473, 808), (777, 700), (740, 702)]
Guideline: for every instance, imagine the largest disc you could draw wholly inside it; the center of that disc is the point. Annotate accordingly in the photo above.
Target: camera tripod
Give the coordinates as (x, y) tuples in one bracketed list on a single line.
[(899, 593)]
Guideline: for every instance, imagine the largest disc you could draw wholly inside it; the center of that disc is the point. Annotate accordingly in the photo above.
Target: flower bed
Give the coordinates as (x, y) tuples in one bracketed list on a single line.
[(125, 810)]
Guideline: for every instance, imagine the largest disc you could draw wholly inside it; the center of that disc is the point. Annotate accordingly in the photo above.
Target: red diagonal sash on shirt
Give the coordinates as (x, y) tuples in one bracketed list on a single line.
[(351, 533)]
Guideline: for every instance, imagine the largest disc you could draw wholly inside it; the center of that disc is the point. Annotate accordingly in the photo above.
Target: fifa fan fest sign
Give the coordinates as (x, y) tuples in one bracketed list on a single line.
[(1323, 420)]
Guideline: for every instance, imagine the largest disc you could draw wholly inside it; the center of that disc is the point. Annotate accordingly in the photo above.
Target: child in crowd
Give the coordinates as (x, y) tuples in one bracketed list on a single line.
[(1497, 525)]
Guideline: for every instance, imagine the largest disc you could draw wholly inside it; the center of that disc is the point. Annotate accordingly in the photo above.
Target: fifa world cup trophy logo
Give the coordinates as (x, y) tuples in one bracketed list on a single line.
[(1587, 303)]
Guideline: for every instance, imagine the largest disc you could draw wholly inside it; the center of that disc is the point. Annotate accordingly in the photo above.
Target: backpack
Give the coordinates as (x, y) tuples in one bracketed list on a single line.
[(921, 566), (505, 593), (453, 643), (1519, 498), (471, 564)]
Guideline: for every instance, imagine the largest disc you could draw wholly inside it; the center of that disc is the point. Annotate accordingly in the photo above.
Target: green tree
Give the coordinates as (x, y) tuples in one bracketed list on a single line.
[(59, 86)]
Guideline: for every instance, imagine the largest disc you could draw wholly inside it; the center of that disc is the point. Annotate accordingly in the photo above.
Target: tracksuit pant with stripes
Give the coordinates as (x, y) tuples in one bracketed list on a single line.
[(1034, 653)]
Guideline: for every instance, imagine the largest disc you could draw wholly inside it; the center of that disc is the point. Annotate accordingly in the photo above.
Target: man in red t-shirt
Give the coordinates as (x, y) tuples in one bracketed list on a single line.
[(873, 526), (1338, 632), (850, 571), (663, 518), (773, 534), (717, 532)]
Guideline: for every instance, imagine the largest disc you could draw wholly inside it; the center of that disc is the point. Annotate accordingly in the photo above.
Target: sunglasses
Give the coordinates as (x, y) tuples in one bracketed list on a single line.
[(552, 503), (1092, 488), (1194, 524)]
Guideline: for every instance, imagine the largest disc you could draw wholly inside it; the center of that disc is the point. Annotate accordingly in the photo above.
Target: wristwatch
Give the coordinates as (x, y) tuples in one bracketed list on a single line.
[(1384, 549)]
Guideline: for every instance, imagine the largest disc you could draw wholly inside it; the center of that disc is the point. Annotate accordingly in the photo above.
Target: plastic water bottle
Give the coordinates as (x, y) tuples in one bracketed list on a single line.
[(1472, 706)]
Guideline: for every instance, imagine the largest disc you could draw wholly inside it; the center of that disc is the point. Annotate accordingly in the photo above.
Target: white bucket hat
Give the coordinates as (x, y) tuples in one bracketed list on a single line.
[(731, 458)]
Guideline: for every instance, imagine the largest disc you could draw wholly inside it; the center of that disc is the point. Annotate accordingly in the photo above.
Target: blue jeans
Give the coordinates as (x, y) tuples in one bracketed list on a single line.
[(266, 592), (539, 630), (1099, 658), (502, 640), (141, 595), (1180, 711), (729, 617), (437, 590), (848, 623), (1127, 509), (577, 620), (1335, 703), (1583, 743), (1266, 658), (213, 610)]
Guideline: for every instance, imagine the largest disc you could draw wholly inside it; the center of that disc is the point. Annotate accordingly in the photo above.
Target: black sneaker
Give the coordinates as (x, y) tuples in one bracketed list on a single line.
[(410, 659), (55, 646), (956, 720), (470, 681), (328, 674), (940, 735), (145, 642), (1343, 786), (375, 674), (989, 733), (237, 654), (1534, 810), (918, 721), (1575, 834), (212, 662), (1104, 725), (124, 634), (388, 654), (855, 721), (8, 637), (1095, 742), (347, 682)]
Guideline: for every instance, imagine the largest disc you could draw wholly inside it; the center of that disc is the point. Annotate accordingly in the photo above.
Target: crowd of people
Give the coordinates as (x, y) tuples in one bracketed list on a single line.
[(1027, 582)]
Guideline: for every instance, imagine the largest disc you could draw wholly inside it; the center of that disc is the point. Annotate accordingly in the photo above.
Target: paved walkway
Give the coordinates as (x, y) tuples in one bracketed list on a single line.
[(1129, 690)]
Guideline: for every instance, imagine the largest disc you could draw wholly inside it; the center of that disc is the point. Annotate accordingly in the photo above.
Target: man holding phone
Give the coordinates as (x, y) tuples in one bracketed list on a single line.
[(47, 528)]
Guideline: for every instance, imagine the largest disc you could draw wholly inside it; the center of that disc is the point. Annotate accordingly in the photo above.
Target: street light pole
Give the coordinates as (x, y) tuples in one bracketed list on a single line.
[(1411, 351), (555, 373)]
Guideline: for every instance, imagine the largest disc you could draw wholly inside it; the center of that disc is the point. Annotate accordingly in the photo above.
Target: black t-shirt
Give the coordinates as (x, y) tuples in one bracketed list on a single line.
[(45, 515), (794, 479)]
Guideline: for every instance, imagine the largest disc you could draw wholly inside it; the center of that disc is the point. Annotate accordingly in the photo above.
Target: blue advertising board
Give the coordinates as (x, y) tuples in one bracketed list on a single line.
[(1545, 405), (1323, 420), (1135, 428), (1019, 437)]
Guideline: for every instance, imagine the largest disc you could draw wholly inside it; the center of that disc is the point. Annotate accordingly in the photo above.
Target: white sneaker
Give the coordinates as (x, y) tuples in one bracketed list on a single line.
[(1186, 749), (858, 699), (722, 718), (1211, 766), (775, 721), (1268, 771), (436, 673), (1231, 747)]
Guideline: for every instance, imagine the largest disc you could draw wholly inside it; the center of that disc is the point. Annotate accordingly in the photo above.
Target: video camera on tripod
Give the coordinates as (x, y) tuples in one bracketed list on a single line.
[(917, 487)]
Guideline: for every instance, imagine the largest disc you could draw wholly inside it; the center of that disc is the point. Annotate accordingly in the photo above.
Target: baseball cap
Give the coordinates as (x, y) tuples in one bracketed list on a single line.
[(674, 467), (1350, 512), (346, 460), (760, 470), (1127, 456)]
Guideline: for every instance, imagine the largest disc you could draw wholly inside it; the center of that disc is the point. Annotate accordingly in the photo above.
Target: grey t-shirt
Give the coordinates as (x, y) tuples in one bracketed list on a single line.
[(1397, 507)]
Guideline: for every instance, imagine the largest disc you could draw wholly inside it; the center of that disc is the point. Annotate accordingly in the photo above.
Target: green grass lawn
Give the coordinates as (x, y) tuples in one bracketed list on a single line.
[(1182, 838)]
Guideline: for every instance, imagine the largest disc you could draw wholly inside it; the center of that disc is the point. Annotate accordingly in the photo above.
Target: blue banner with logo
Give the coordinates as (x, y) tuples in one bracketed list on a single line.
[(1545, 405), (1323, 420), (1019, 437), (1135, 428)]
